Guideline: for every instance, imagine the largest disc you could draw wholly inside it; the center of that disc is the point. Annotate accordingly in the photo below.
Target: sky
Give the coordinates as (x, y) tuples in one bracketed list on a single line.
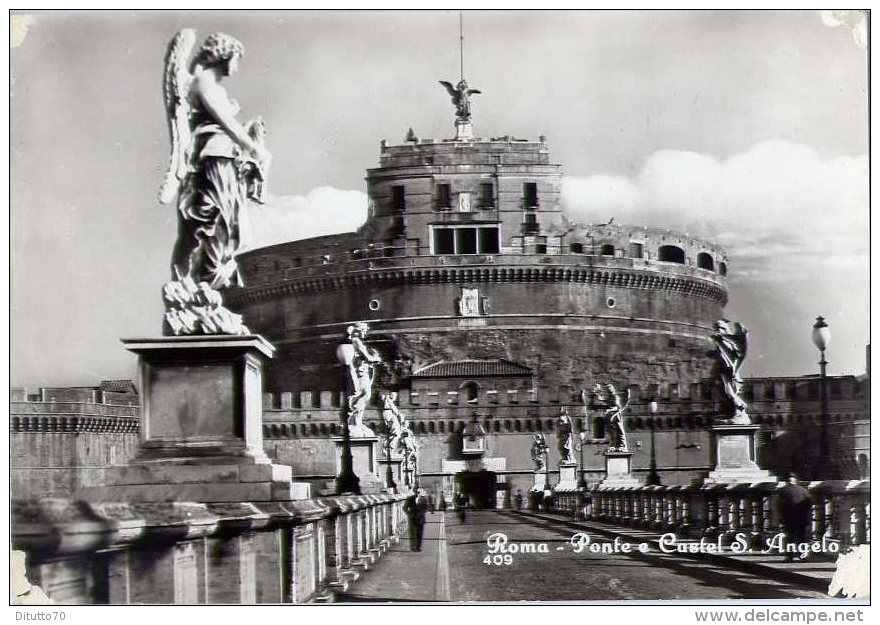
[(750, 128)]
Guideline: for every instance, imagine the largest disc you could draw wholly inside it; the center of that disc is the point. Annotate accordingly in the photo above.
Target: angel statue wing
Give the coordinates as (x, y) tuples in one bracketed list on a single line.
[(452, 90), (473, 91), (176, 79)]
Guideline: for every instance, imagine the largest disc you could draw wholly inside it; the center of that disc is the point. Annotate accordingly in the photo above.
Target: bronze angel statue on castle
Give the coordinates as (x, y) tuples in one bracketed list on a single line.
[(217, 164), (460, 98)]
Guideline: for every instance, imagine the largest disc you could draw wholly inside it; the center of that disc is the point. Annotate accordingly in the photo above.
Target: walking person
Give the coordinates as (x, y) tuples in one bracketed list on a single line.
[(416, 508), (461, 502), (795, 506)]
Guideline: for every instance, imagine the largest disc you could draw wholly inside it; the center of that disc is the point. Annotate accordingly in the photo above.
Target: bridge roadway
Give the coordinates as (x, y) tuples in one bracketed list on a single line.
[(452, 566)]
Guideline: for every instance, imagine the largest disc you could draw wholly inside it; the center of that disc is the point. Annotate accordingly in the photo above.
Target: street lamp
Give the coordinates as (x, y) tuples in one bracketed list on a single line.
[(582, 482), (653, 476), (347, 481), (821, 339)]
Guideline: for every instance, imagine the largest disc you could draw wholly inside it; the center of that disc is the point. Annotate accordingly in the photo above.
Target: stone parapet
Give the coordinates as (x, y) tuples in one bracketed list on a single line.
[(82, 552)]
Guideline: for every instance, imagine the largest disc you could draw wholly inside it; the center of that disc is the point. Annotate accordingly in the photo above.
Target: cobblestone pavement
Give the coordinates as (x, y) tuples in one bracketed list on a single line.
[(562, 575)]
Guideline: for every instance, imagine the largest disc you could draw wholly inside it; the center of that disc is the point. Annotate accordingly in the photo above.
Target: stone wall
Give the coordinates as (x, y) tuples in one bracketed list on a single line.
[(64, 441)]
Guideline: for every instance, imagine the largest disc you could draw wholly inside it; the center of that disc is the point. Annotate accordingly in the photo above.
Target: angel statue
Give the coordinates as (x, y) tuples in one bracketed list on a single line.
[(614, 416), (216, 165), (731, 342), (410, 455), (392, 417), (539, 452), (359, 360), (565, 436), (461, 98)]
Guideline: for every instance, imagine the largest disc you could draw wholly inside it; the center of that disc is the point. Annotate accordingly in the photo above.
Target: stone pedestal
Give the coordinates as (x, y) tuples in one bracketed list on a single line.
[(567, 478), (396, 463), (733, 453), (541, 481), (618, 469), (364, 461), (201, 430), (464, 130)]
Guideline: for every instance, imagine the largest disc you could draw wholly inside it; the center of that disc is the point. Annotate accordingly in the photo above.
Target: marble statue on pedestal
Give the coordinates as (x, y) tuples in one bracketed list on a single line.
[(565, 434), (614, 416), (360, 360), (217, 164), (731, 342), (410, 454), (539, 452), (393, 419)]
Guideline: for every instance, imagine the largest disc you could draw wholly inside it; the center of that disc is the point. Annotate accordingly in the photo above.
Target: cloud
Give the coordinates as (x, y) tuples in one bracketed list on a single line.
[(323, 210), (856, 21), (18, 29), (777, 202)]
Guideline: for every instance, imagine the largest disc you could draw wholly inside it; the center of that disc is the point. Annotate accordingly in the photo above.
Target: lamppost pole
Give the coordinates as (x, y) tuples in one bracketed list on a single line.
[(389, 473), (653, 476), (347, 481), (582, 482), (821, 338)]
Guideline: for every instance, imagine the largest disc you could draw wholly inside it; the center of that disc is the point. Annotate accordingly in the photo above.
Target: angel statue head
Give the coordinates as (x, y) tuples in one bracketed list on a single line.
[(219, 49)]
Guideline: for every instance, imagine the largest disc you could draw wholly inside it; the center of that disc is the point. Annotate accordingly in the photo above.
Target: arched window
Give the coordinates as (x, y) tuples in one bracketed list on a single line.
[(517, 426), (576, 248), (430, 427), (441, 427), (507, 425), (471, 390), (722, 268), (496, 426), (313, 429), (705, 261), (670, 254), (607, 250)]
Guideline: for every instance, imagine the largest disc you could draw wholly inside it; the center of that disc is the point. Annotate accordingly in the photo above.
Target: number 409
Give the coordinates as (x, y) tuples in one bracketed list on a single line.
[(499, 559)]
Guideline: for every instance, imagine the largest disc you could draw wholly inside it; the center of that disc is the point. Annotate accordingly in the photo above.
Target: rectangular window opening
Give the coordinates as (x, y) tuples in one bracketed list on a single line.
[(398, 198), (530, 194), (444, 241), (487, 195), (444, 196), (466, 240), (489, 241)]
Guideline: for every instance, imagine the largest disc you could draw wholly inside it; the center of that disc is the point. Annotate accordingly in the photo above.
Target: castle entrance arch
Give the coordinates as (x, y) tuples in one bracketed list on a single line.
[(480, 487)]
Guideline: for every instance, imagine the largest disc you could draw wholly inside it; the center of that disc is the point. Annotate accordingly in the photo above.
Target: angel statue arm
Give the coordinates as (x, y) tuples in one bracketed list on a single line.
[(218, 105)]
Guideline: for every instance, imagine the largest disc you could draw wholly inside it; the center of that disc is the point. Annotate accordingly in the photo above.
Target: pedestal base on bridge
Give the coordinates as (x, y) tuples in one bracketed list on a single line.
[(201, 430), (567, 478), (396, 463), (733, 449), (364, 460), (618, 470), (541, 482)]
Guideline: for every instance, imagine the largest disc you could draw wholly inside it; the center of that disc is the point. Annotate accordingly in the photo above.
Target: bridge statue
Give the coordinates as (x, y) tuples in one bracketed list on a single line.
[(731, 342), (539, 452), (565, 434), (614, 416), (217, 164), (393, 421), (360, 360)]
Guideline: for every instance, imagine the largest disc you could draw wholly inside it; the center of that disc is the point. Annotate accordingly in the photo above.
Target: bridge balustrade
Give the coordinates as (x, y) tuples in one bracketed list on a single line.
[(194, 553), (840, 510)]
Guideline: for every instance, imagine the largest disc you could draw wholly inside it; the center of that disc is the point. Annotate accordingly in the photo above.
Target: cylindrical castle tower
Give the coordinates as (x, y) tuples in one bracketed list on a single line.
[(466, 256)]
